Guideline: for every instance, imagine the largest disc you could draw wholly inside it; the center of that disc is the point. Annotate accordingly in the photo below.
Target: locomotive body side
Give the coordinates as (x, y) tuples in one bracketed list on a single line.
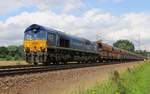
[(53, 46)]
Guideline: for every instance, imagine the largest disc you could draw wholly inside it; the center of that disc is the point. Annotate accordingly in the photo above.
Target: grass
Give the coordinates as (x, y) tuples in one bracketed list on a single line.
[(132, 81), (18, 62), (13, 62)]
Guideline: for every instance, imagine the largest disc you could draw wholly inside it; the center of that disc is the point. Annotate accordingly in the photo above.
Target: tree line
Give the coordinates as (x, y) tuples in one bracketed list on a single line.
[(11, 52)]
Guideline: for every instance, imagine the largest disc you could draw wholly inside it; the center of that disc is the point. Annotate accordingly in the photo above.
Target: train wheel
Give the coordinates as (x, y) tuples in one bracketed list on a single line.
[(64, 62), (55, 62), (46, 63), (35, 63)]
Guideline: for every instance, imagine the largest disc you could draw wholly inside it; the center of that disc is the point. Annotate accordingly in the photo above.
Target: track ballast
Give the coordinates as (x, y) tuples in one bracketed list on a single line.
[(27, 69)]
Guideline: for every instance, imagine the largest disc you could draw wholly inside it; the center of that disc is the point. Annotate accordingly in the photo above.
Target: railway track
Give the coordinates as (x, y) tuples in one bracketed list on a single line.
[(27, 69)]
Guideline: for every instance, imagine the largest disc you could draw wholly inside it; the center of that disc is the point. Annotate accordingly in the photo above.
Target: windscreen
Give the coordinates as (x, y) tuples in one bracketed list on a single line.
[(35, 35), (29, 36)]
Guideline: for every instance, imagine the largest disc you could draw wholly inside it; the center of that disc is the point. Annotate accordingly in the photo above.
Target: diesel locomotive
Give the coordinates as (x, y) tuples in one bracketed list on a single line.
[(45, 45), (48, 46)]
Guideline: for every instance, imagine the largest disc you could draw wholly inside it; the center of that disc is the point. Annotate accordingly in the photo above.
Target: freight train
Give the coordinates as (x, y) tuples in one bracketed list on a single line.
[(48, 46)]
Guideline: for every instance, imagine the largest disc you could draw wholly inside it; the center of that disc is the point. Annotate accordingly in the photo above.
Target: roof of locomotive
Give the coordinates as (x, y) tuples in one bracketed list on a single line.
[(56, 32), (36, 26)]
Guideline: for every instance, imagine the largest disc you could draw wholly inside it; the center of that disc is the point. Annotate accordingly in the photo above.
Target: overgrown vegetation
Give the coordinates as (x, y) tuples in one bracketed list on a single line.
[(11, 53), (133, 81)]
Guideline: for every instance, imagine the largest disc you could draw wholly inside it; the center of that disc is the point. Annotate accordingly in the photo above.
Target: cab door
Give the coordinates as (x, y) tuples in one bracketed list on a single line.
[(64, 42)]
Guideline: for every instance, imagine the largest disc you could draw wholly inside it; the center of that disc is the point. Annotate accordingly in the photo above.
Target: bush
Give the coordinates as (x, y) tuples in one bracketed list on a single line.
[(11, 53)]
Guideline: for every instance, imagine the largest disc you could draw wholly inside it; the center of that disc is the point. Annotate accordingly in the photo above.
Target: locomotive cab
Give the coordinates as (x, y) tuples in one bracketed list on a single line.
[(35, 40), (35, 44)]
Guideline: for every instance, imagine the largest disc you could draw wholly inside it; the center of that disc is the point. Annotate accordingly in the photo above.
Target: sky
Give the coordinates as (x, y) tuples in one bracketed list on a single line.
[(107, 20)]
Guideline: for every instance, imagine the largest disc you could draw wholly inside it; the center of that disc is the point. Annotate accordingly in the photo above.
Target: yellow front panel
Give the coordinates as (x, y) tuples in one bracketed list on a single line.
[(35, 45)]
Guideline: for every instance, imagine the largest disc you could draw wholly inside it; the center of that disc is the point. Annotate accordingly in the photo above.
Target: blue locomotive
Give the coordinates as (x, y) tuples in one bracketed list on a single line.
[(45, 45)]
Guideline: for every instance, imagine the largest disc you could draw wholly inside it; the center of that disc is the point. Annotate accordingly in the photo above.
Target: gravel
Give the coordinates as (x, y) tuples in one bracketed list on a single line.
[(59, 82)]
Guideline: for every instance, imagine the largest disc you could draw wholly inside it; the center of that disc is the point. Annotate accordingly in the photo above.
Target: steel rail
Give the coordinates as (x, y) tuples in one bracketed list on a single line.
[(28, 69)]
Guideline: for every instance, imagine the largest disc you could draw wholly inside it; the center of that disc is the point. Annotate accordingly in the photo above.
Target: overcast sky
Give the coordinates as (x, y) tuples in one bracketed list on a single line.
[(109, 20)]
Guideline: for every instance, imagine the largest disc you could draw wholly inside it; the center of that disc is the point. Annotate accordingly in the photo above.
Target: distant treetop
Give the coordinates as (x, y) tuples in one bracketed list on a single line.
[(124, 44)]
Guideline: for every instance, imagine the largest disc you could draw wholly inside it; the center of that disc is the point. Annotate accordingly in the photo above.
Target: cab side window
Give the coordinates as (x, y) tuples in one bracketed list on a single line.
[(51, 38)]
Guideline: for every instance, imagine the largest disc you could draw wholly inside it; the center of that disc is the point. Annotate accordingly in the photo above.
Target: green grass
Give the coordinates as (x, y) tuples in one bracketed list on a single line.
[(132, 81), (18, 62)]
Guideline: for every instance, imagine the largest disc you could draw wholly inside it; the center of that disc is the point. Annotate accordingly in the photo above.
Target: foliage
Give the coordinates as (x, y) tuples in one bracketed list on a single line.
[(124, 44), (3, 52), (133, 81), (11, 53)]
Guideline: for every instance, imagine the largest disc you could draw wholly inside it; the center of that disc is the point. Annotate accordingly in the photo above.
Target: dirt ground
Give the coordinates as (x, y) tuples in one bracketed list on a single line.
[(59, 82), (7, 63)]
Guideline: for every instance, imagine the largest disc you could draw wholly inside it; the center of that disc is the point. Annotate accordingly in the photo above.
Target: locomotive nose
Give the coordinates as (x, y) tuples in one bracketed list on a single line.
[(35, 46)]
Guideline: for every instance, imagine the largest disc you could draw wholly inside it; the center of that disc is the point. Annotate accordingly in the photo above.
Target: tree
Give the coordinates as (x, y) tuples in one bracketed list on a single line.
[(124, 44), (12, 50), (15, 52), (20, 52), (3, 52), (11, 53)]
